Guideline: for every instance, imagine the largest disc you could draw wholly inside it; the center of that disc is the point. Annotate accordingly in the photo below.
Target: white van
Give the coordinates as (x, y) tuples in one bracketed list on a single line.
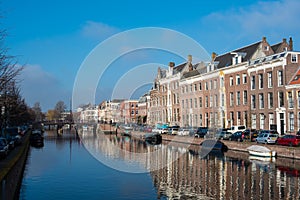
[(234, 129)]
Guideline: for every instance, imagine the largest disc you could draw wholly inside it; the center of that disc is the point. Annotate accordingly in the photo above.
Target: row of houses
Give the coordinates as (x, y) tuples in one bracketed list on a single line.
[(257, 86)]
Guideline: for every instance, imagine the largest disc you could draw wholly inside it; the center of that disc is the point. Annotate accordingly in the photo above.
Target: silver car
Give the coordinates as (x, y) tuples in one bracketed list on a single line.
[(267, 138)]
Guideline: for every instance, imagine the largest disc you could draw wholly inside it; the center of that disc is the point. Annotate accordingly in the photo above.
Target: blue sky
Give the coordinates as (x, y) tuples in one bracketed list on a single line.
[(53, 38)]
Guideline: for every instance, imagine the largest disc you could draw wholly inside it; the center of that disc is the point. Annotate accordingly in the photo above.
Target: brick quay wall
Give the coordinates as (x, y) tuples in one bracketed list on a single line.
[(12, 169), (282, 151)]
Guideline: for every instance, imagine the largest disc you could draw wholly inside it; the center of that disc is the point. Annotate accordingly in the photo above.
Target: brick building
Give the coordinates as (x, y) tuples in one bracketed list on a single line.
[(256, 86)]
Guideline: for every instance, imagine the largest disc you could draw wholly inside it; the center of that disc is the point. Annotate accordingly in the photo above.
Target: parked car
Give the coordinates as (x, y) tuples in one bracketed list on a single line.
[(184, 131), (173, 130), (291, 140), (234, 129), (3, 147), (201, 132), (267, 138), (223, 134), (250, 134), (237, 136)]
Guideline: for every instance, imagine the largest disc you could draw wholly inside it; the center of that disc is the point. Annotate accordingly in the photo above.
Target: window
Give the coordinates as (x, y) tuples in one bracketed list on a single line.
[(196, 119), (231, 80), (206, 101), (238, 98), (195, 102), (231, 99), (253, 121), (223, 99), (280, 78), (206, 86), (200, 86), (216, 101), (200, 119), (270, 80), (261, 100), (266, 48), (187, 103), (238, 118), (245, 118), (222, 82), (294, 58), (195, 87), (270, 99), (271, 119), (281, 99), (290, 100), (260, 81), (236, 60), (252, 82), (182, 103), (299, 102), (191, 88), (136, 112), (182, 90), (244, 78), (200, 102), (191, 103), (210, 84), (245, 97), (238, 79), (215, 84), (210, 101), (253, 105), (231, 118), (292, 121), (262, 121)]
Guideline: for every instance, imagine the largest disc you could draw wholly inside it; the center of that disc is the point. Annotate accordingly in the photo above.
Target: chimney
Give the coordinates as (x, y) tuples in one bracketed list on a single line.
[(171, 66), (291, 44), (190, 58), (158, 73), (284, 40), (264, 39), (213, 56)]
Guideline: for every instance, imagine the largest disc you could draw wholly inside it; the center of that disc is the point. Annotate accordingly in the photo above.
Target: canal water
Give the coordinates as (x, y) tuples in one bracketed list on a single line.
[(98, 166)]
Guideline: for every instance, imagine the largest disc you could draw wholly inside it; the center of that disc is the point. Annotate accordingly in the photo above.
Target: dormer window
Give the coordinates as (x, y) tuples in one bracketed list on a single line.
[(236, 59)]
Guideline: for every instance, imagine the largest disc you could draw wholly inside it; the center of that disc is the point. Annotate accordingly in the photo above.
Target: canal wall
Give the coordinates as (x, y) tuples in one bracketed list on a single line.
[(282, 151), (12, 169)]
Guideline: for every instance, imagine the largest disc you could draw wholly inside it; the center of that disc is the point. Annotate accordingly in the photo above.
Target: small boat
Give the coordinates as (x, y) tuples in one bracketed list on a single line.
[(153, 138), (261, 151), (212, 144)]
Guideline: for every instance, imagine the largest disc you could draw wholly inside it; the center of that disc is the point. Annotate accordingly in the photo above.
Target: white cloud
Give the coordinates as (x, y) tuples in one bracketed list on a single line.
[(38, 85), (98, 30), (274, 19)]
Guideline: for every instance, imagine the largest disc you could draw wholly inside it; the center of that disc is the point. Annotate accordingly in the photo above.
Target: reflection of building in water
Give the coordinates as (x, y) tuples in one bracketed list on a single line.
[(190, 176)]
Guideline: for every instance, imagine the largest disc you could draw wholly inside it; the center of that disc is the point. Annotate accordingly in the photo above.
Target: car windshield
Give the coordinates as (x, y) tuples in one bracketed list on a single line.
[(273, 135)]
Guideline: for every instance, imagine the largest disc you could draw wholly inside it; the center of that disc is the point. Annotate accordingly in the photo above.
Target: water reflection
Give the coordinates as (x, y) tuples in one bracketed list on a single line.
[(191, 176)]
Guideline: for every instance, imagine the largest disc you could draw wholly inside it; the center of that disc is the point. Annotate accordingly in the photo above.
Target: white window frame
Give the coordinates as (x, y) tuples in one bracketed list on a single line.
[(280, 77), (231, 81), (260, 81), (270, 80), (244, 78), (237, 79), (294, 58)]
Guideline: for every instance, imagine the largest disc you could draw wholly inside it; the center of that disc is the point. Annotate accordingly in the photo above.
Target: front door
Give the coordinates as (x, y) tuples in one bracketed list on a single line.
[(281, 116)]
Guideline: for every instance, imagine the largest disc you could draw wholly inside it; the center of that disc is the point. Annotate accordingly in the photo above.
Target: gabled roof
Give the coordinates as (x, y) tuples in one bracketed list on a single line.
[(275, 47), (225, 60), (296, 78), (190, 74), (179, 68)]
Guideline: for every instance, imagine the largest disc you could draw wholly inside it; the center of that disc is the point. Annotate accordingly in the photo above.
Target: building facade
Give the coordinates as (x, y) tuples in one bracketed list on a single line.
[(256, 86)]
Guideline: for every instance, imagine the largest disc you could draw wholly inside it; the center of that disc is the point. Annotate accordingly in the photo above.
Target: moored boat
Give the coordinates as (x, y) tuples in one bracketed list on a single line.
[(153, 138), (212, 144), (261, 151)]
